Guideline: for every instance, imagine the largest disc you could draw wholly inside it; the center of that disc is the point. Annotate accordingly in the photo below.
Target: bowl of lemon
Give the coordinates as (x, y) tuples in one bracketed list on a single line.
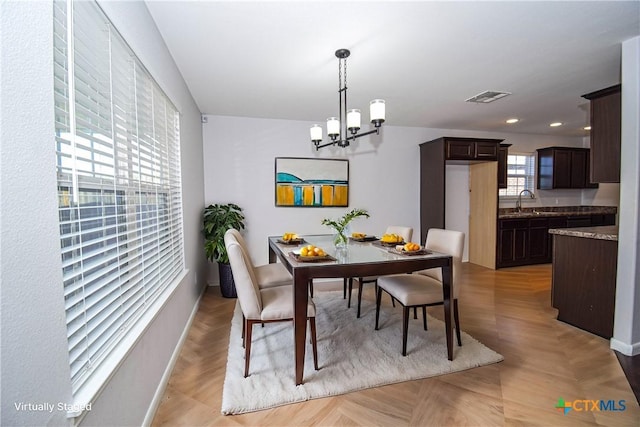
[(311, 253), (290, 239), (410, 248), (391, 239), (362, 237)]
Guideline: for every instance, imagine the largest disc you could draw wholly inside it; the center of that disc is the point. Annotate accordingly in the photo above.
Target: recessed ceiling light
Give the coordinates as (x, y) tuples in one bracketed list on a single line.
[(587, 128), (514, 120), (555, 125)]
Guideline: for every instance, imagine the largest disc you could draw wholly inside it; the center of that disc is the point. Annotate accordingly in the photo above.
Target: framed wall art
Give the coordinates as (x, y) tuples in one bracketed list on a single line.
[(308, 182)]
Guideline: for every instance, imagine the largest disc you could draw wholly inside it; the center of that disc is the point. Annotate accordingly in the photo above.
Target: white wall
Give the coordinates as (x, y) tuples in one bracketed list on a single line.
[(384, 172), (626, 330), (34, 358)]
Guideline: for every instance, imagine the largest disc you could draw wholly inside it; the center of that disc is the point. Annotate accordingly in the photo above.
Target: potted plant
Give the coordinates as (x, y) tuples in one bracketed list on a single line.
[(217, 219), (340, 226)]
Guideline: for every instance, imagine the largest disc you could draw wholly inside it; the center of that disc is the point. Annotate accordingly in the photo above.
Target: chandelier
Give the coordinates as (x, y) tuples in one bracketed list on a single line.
[(345, 127)]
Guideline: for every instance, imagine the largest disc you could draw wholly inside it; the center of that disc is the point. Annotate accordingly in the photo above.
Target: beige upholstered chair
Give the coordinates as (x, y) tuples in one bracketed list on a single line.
[(424, 288), (267, 275), (406, 233), (273, 304)]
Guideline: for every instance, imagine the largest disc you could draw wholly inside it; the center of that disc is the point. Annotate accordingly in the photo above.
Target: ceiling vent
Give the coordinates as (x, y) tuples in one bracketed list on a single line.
[(487, 96)]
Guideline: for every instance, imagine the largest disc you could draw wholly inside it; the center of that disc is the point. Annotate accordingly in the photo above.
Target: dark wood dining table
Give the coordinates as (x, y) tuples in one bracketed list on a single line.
[(358, 259)]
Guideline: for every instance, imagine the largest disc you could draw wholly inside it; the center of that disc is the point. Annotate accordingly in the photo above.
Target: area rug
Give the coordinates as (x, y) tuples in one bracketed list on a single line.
[(351, 355)]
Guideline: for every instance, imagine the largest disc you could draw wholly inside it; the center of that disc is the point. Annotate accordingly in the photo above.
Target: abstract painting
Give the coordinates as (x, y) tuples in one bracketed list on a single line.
[(308, 182)]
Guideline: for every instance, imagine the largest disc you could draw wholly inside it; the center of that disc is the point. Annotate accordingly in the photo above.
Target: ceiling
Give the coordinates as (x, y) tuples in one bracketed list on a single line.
[(276, 59)]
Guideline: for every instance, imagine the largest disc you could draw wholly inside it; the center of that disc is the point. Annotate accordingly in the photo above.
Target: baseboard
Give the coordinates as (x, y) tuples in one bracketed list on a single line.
[(157, 397), (624, 348)]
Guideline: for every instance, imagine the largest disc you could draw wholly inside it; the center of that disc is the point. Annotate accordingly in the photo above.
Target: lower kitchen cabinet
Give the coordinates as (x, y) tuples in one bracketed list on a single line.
[(523, 242), (539, 240), (526, 241), (512, 242)]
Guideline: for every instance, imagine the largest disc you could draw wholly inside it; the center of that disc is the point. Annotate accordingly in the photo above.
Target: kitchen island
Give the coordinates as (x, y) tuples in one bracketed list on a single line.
[(584, 271)]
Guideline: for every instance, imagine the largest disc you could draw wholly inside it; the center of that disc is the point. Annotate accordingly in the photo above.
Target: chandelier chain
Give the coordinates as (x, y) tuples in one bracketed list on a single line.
[(345, 72)]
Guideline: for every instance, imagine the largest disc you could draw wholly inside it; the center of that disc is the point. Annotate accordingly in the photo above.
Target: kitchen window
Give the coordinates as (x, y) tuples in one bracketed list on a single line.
[(520, 175), (117, 141)]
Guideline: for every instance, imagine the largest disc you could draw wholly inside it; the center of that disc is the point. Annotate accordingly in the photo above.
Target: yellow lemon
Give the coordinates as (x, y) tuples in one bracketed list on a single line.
[(411, 247)]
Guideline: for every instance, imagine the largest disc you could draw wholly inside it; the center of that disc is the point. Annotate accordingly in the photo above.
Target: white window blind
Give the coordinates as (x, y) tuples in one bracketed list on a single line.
[(118, 165), (520, 174)]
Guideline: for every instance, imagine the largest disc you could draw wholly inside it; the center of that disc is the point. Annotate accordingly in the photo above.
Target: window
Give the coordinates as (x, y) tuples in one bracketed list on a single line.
[(520, 174), (117, 144)]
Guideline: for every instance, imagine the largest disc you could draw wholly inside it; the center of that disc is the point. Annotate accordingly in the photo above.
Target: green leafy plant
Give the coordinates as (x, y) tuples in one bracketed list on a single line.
[(216, 220), (341, 224)]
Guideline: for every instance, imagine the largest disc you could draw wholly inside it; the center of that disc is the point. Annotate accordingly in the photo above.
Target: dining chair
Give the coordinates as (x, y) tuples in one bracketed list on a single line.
[(406, 233), (424, 288), (263, 305), (267, 275), (273, 274)]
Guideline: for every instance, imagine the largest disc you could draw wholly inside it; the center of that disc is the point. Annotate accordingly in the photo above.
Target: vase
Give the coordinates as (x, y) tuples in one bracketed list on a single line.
[(340, 240)]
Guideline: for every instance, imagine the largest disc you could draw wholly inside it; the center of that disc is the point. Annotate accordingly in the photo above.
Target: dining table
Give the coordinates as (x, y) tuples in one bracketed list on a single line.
[(356, 259)]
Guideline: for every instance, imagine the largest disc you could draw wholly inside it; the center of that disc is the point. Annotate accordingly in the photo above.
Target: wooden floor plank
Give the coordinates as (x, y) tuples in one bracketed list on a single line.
[(508, 310)]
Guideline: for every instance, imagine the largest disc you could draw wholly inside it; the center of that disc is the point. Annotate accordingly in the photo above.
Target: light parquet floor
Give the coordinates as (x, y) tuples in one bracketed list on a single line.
[(508, 310)]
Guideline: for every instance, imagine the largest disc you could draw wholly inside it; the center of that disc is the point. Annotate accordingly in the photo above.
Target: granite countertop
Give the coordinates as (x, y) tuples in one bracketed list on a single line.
[(609, 232), (548, 211)]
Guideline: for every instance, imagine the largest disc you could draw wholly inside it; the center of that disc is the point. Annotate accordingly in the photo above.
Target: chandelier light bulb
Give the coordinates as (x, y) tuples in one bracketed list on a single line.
[(316, 133), (377, 111), (333, 127), (353, 120)]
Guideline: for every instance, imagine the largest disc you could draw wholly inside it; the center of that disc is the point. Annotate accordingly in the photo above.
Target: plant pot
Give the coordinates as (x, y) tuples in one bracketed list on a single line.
[(227, 285)]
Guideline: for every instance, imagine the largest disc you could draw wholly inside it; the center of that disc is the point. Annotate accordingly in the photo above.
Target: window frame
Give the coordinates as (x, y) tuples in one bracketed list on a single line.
[(529, 175)]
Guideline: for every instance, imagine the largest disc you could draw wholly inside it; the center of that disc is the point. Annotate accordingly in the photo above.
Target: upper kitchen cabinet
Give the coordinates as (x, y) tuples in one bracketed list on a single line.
[(503, 155), (471, 149), (605, 134), (563, 167)]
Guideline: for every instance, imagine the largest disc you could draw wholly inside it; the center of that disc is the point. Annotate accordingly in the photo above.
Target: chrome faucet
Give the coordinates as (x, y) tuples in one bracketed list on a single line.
[(519, 201)]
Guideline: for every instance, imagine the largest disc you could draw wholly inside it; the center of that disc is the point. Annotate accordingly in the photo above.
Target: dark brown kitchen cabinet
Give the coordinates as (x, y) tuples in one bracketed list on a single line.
[(523, 242), (605, 106), (471, 148), (513, 240), (526, 241), (539, 240), (503, 154), (602, 219), (563, 167)]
